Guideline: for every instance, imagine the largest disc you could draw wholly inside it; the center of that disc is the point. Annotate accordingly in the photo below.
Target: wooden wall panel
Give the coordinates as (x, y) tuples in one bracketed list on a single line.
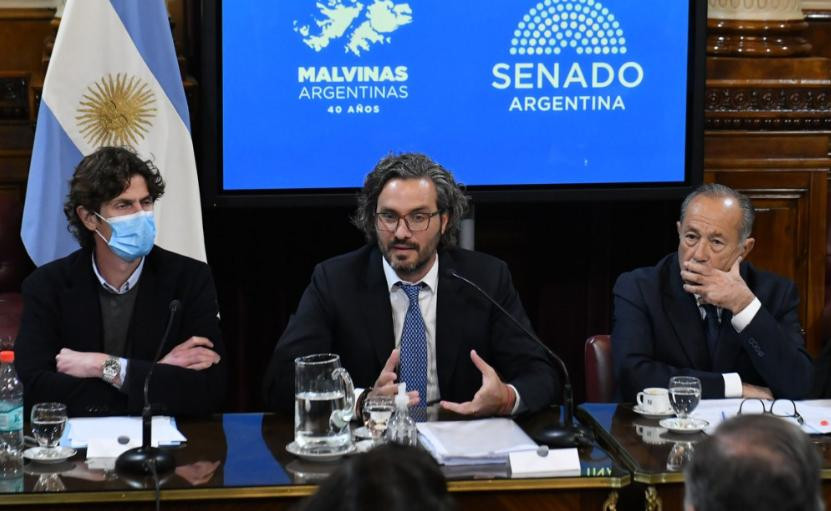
[(789, 194)]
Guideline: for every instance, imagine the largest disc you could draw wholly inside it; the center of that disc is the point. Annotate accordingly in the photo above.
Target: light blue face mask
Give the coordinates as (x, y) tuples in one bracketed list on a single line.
[(132, 235)]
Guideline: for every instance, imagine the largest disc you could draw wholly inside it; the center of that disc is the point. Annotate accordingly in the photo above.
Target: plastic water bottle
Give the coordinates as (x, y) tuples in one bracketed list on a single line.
[(11, 425), (402, 428)]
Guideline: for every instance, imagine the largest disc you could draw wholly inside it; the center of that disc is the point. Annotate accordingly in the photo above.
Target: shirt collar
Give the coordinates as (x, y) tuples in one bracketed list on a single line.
[(131, 282), (431, 280)]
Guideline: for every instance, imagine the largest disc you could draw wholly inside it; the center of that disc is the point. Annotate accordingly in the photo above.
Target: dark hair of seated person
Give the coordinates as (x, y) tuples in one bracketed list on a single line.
[(390, 477)]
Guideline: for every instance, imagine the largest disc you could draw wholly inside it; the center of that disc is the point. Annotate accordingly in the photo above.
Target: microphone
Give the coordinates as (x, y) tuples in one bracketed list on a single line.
[(569, 434), (149, 460)]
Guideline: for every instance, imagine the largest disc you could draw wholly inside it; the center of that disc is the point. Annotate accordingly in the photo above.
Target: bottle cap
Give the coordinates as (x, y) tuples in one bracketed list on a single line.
[(402, 401), (7, 357)]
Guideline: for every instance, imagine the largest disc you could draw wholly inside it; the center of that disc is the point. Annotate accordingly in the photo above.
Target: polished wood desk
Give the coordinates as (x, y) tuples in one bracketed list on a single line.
[(649, 451), (239, 461)]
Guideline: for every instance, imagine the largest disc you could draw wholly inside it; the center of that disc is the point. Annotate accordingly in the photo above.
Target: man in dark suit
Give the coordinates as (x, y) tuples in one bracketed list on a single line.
[(92, 321), (703, 312), (394, 301)]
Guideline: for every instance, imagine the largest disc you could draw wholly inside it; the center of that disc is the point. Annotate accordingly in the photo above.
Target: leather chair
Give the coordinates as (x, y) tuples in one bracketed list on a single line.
[(600, 377), (14, 266)]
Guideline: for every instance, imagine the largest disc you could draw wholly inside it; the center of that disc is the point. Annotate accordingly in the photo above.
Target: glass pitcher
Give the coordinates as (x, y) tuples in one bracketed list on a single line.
[(324, 398)]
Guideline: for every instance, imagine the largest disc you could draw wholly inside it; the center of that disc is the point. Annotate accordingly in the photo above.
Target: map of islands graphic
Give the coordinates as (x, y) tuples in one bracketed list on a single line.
[(361, 26)]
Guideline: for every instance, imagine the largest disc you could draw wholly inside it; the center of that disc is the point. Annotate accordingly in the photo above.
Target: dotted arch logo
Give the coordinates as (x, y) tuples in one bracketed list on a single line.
[(553, 27)]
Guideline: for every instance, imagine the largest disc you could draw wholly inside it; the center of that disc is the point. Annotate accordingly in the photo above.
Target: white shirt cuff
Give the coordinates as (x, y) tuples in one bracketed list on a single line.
[(122, 373), (743, 318), (517, 403), (732, 385)]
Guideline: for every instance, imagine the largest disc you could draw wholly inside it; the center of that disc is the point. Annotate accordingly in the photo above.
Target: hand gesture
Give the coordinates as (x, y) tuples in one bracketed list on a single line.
[(725, 289), (386, 382), (491, 397)]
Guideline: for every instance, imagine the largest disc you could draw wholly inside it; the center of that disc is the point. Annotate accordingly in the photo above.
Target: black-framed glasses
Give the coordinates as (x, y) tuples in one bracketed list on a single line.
[(418, 221), (785, 408)]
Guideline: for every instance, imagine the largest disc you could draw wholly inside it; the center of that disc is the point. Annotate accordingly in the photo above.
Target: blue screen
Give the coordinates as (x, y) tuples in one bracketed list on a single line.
[(503, 92)]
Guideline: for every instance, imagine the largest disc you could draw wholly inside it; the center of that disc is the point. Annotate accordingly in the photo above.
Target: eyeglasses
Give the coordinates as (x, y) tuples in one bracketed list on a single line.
[(419, 221), (784, 408)]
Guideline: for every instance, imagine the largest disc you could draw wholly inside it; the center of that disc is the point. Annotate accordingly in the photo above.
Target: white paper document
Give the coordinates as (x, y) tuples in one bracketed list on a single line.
[(79, 431), (815, 413), (555, 463), (474, 442)]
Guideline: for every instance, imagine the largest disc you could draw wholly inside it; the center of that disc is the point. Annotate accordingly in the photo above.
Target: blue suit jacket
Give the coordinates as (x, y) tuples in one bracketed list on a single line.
[(658, 333)]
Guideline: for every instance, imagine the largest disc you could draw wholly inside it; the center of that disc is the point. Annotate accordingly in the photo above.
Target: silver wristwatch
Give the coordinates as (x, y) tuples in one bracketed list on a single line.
[(111, 372)]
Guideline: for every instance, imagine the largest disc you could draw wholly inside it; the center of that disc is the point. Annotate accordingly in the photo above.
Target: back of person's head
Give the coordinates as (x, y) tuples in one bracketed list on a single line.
[(389, 478), (757, 462)]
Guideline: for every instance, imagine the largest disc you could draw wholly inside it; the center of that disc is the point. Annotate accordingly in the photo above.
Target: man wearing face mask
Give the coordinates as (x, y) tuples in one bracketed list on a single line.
[(92, 321), (705, 312)]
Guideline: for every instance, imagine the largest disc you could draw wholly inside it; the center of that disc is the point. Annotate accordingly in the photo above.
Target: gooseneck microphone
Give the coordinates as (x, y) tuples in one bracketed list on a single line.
[(149, 460), (569, 434)]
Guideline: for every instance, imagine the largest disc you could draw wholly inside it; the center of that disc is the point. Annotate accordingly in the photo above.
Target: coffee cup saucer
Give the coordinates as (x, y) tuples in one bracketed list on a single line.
[(652, 415), (324, 456)]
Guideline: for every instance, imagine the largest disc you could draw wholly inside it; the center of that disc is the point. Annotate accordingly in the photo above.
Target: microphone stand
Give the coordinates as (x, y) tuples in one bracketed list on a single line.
[(554, 435), (148, 460)]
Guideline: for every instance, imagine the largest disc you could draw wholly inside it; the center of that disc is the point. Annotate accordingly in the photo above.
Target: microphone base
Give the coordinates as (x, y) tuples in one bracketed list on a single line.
[(564, 436), (137, 461)]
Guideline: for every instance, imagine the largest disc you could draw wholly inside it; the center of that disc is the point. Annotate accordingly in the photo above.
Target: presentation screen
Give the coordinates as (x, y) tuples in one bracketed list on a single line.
[(509, 95)]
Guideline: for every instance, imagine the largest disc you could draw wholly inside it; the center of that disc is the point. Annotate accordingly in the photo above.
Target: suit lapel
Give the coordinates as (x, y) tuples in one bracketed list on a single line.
[(375, 297), (684, 317), (449, 307), (82, 305)]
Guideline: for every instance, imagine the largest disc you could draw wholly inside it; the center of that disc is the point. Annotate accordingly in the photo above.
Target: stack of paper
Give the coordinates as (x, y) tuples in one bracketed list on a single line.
[(79, 431), (475, 442)]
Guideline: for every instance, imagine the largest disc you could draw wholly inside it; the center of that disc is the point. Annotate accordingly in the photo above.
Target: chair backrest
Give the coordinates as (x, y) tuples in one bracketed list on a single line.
[(600, 377)]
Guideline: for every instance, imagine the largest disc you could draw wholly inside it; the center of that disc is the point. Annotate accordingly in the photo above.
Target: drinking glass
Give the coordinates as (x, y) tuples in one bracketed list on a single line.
[(684, 395), (48, 422), (377, 411)]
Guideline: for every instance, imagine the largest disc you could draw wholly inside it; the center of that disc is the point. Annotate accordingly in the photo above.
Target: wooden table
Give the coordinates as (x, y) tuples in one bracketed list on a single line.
[(639, 444), (239, 461)]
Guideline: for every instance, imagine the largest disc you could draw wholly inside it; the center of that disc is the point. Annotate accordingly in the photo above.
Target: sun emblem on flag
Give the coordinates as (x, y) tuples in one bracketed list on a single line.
[(116, 111)]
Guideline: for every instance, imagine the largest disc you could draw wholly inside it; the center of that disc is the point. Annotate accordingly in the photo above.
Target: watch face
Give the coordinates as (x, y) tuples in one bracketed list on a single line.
[(111, 369)]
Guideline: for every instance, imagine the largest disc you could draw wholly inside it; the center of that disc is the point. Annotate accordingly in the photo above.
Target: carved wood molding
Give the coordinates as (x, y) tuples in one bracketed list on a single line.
[(768, 108)]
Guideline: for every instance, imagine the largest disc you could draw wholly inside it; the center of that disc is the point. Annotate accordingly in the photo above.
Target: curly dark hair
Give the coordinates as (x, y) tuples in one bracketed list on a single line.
[(103, 176), (450, 195)]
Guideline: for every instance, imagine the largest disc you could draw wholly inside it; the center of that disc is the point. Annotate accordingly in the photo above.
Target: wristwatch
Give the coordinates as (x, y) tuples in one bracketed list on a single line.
[(111, 372)]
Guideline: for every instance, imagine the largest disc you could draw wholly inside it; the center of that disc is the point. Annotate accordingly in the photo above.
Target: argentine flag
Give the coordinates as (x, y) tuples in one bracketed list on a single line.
[(113, 79)]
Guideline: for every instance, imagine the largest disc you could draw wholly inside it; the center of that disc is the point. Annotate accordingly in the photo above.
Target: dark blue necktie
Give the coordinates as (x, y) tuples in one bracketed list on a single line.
[(414, 346), (711, 328)]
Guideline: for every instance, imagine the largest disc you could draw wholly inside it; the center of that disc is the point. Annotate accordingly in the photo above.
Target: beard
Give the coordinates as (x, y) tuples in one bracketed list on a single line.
[(406, 267)]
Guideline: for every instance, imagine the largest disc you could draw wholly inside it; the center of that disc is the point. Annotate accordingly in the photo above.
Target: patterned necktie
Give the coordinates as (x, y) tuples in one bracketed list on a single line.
[(711, 329), (414, 346)]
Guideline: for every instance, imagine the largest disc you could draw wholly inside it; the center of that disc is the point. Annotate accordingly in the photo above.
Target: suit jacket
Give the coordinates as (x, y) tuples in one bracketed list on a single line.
[(658, 333), (61, 309), (346, 310)]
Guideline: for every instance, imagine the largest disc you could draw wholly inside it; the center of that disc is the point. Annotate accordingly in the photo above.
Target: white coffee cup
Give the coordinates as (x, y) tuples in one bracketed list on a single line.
[(654, 400)]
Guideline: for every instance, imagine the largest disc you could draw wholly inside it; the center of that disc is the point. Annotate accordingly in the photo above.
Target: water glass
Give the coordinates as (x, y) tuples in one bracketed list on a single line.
[(48, 422), (377, 411), (684, 395), (680, 454)]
